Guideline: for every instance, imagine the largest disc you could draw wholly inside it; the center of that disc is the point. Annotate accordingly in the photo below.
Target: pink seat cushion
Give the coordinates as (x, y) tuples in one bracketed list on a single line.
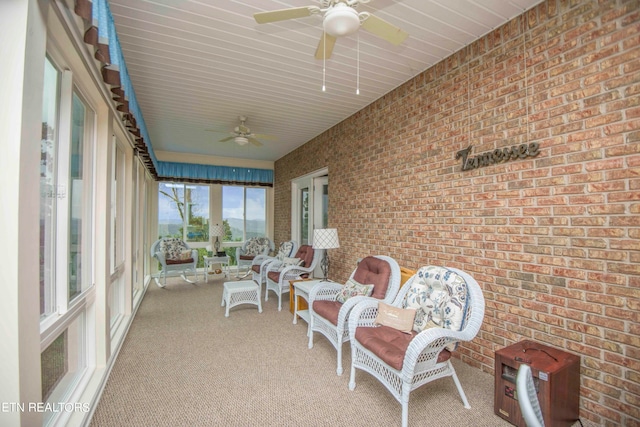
[(247, 257), (305, 253), (390, 344), (328, 310), (179, 261), (274, 276), (374, 271), (255, 268)]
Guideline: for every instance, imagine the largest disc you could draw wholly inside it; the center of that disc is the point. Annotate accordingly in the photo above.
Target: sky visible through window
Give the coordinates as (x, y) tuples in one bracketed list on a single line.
[(233, 201), (233, 204)]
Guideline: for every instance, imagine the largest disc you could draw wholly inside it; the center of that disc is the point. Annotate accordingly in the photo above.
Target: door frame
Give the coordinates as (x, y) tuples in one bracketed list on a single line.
[(297, 184)]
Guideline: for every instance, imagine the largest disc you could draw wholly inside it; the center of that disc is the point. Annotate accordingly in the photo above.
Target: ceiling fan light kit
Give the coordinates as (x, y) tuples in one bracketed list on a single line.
[(242, 135), (341, 20)]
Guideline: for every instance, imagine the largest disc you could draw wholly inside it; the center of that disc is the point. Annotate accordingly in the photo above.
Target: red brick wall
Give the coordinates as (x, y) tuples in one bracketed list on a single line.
[(554, 240)]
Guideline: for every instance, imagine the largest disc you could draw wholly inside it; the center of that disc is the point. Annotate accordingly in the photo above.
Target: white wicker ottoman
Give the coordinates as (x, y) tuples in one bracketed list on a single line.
[(243, 292)]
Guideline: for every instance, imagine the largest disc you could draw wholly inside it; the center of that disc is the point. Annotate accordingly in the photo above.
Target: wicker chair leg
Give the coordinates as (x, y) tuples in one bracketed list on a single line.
[(405, 414), (465, 402)]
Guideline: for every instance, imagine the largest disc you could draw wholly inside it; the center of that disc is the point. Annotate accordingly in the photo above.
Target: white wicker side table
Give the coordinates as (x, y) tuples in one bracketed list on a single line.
[(243, 292)]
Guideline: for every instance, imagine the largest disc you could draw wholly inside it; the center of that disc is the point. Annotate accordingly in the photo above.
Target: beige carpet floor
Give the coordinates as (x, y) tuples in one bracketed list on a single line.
[(184, 363)]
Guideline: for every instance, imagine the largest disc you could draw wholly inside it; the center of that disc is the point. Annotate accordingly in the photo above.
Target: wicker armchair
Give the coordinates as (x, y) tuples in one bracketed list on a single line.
[(452, 310), (261, 262), (329, 316), (279, 272), (250, 249), (174, 254), (528, 397)]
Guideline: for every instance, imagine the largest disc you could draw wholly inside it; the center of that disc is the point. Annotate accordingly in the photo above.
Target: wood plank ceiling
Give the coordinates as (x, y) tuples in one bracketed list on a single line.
[(198, 65)]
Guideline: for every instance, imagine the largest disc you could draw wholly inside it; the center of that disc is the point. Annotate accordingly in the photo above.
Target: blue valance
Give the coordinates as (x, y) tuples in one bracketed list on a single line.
[(102, 35), (188, 172)]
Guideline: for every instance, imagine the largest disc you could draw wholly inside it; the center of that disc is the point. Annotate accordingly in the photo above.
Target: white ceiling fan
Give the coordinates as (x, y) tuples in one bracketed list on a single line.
[(242, 135), (339, 18)]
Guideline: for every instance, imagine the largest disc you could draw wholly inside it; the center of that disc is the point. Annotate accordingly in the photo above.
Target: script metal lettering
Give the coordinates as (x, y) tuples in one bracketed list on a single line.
[(521, 151)]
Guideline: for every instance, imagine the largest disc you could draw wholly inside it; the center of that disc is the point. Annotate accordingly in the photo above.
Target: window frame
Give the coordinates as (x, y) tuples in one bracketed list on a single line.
[(71, 315), (185, 220), (234, 243)]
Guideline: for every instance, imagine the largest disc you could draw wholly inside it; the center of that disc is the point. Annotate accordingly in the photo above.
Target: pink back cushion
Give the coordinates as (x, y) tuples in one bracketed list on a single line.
[(374, 271), (305, 253)]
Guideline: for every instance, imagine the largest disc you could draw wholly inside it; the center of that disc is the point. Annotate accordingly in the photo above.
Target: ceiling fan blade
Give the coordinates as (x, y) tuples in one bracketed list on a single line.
[(323, 51), (263, 136), (385, 30), (284, 14), (254, 141), (229, 138)]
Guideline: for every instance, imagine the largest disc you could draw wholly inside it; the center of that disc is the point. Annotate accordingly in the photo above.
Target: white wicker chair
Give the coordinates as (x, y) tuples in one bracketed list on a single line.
[(261, 262), (427, 354), (528, 397), (167, 251), (250, 249), (278, 273), (371, 270)]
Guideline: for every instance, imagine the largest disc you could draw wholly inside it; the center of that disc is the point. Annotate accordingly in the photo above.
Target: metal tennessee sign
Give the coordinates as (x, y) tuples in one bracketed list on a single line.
[(498, 155)]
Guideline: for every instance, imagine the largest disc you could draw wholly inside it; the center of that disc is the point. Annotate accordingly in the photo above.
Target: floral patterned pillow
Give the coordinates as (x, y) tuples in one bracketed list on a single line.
[(352, 289), (284, 251), (256, 246), (172, 248), (440, 298)]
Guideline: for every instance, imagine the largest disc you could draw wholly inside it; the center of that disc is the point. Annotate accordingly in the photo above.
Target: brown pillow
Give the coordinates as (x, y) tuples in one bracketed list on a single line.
[(395, 317)]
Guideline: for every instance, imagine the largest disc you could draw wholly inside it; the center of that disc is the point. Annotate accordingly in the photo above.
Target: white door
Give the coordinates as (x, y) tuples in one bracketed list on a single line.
[(309, 207)]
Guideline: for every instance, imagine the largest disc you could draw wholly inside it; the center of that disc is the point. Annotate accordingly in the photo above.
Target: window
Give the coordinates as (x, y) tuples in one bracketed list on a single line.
[(48, 186), (244, 212), (183, 211), (66, 225), (65, 193), (304, 216), (118, 232)]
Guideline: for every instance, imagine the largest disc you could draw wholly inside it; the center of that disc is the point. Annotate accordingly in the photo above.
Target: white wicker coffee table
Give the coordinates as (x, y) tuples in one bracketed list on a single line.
[(242, 292)]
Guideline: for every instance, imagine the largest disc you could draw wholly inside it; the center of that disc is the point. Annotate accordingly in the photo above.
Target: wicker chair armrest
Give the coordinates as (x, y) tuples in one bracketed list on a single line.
[(293, 271), (239, 251), (362, 315), (274, 265), (428, 344), (161, 258), (324, 291), (349, 304), (194, 254), (260, 259)]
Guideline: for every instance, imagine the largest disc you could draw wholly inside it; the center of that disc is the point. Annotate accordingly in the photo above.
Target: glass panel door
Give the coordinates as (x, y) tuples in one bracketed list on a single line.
[(303, 209), (309, 205)]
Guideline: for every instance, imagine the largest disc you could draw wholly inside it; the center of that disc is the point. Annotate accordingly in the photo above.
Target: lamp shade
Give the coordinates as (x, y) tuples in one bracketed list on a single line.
[(325, 238), (216, 230)]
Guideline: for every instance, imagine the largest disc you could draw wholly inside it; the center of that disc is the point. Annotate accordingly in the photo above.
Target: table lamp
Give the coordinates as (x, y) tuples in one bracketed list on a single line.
[(325, 238), (216, 231)]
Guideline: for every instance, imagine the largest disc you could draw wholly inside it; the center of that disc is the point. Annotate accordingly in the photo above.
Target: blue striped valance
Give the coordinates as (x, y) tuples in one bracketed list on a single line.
[(102, 35), (188, 172)]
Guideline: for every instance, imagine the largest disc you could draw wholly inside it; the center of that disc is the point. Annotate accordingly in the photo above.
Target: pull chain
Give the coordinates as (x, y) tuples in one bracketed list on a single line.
[(358, 64), (324, 59)]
